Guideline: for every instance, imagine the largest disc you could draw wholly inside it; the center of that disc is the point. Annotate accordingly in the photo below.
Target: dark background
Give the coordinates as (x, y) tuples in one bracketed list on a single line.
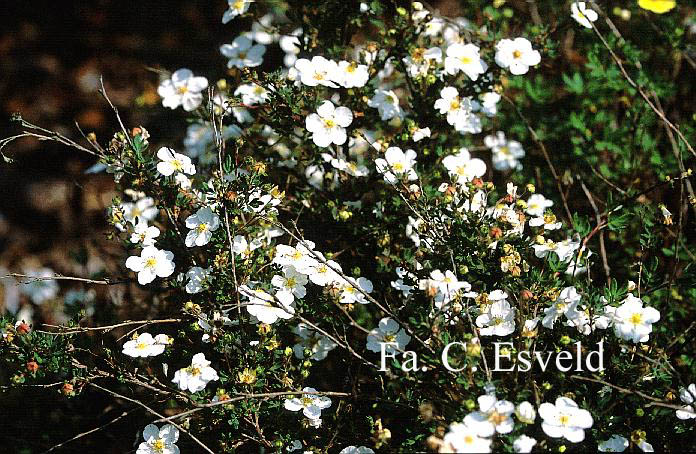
[(51, 57)]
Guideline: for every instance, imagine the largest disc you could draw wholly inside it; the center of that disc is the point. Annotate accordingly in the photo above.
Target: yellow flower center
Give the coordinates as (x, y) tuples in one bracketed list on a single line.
[(564, 420), (182, 90), (195, 371), (150, 262), (141, 346), (202, 228), (329, 123), (465, 60), (468, 439), (516, 54), (238, 5), (307, 401), (497, 418), (454, 105), (242, 55), (297, 255), (177, 164), (399, 167), (290, 282), (158, 445), (258, 90), (389, 337), (352, 67), (319, 76), (636, 318)]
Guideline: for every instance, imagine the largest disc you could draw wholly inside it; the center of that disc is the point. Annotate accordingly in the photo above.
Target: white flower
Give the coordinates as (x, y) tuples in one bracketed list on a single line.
[(243, 53), (419, 62), (151, 263), (351, 289), (183, 89), (464, 439), (145, 345), (565, 419), (688, 396), (537, 205), (566, 303), (489, 103), (202, 224), (516, 54), (241, 246), (195, 377), (328, 124), (171, 162), (264, 307), (323, 273), (506, 153), (525, 411), (142, 233), (493, 416), (352, 74), (252, 94), (356, 450), (387, 104), (159, 441), (464, 166), (40, 290), (582, 14), (645, 446), (499, 319), (236, 8), (634, 322), (397, 164), (319, 71), (387, 331), (420, 134), (142, 210), (616, 443), (465, 58), (523, 444), (458, 109), (300, 257), (317, 343), (195, 277), (310, 404), (290, 285)]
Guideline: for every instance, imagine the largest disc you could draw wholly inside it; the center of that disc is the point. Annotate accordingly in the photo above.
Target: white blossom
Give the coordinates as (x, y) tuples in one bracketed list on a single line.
[(236, 8), (464, 439), (171, 161), (318, 71), (464, 166), (688, 396), (151, 263), (318, 344), (202, 224), (397, 164), (145, 345), (616, 443), (387, 104), (634, 322), (565, 419), (494, 416), (464, 58), (182, 89), (506, 153), (388, 332), (582, 14), (195, 377), (311, 405), (159, 440), (195, 277), (144, 234), (328, 125), (243, 53), (517, 55)]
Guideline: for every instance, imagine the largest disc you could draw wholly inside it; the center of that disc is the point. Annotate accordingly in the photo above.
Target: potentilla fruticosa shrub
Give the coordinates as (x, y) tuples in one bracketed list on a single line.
[(415, 232)]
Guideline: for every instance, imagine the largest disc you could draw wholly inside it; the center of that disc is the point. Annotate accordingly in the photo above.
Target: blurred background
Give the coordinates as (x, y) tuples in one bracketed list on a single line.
[(52, 214)]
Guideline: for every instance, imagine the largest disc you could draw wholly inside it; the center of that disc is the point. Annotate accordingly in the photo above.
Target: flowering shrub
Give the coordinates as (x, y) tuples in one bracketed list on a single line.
[(415, 233)]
